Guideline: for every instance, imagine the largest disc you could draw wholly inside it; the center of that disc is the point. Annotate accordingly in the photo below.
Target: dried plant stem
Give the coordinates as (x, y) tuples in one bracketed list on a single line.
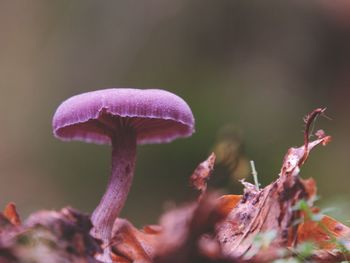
[(255, 174)]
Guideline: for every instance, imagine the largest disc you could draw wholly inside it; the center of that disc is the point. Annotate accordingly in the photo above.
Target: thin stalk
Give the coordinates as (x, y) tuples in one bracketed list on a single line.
[(112, 202), (255, 174)]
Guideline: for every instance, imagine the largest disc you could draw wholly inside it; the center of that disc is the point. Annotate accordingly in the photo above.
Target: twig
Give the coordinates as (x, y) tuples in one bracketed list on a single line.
[(255, 174)]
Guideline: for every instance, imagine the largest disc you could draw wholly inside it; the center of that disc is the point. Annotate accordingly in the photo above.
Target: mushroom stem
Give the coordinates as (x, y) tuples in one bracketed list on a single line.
[(112, 202)]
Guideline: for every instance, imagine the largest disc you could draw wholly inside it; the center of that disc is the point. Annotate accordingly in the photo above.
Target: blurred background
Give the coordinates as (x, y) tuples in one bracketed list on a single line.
[(250, 70)]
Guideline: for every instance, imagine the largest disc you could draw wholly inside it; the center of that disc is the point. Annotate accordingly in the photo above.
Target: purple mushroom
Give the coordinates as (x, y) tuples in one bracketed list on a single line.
[(122, 118)]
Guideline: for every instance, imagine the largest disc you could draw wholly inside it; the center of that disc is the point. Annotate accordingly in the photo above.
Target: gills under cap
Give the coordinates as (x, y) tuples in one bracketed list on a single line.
[(156, 115)]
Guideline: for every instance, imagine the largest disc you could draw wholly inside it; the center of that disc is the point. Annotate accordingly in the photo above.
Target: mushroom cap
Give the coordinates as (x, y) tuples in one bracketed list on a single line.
[(156, 115)]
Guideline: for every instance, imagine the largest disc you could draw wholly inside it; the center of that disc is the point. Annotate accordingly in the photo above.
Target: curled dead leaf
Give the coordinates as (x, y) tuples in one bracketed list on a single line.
[(128, 244), (202, 173), (227, 203), (324, 232), (48, 236), (188, 233), (11, 214)]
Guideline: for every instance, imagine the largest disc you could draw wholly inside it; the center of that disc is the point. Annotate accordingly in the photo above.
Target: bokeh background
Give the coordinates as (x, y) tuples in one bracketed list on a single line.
[(250, 70)]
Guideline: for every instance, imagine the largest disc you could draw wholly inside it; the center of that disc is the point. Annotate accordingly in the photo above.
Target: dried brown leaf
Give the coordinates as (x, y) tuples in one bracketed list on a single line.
[(270, 209), (227, 203), (310, 187), (202, 174), (11, 214), (129, 244), (322, 233), (188, 233), (48, 236)]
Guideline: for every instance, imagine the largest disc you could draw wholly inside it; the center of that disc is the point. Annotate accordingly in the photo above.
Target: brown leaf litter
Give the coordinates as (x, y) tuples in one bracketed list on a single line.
[(212, 229)]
